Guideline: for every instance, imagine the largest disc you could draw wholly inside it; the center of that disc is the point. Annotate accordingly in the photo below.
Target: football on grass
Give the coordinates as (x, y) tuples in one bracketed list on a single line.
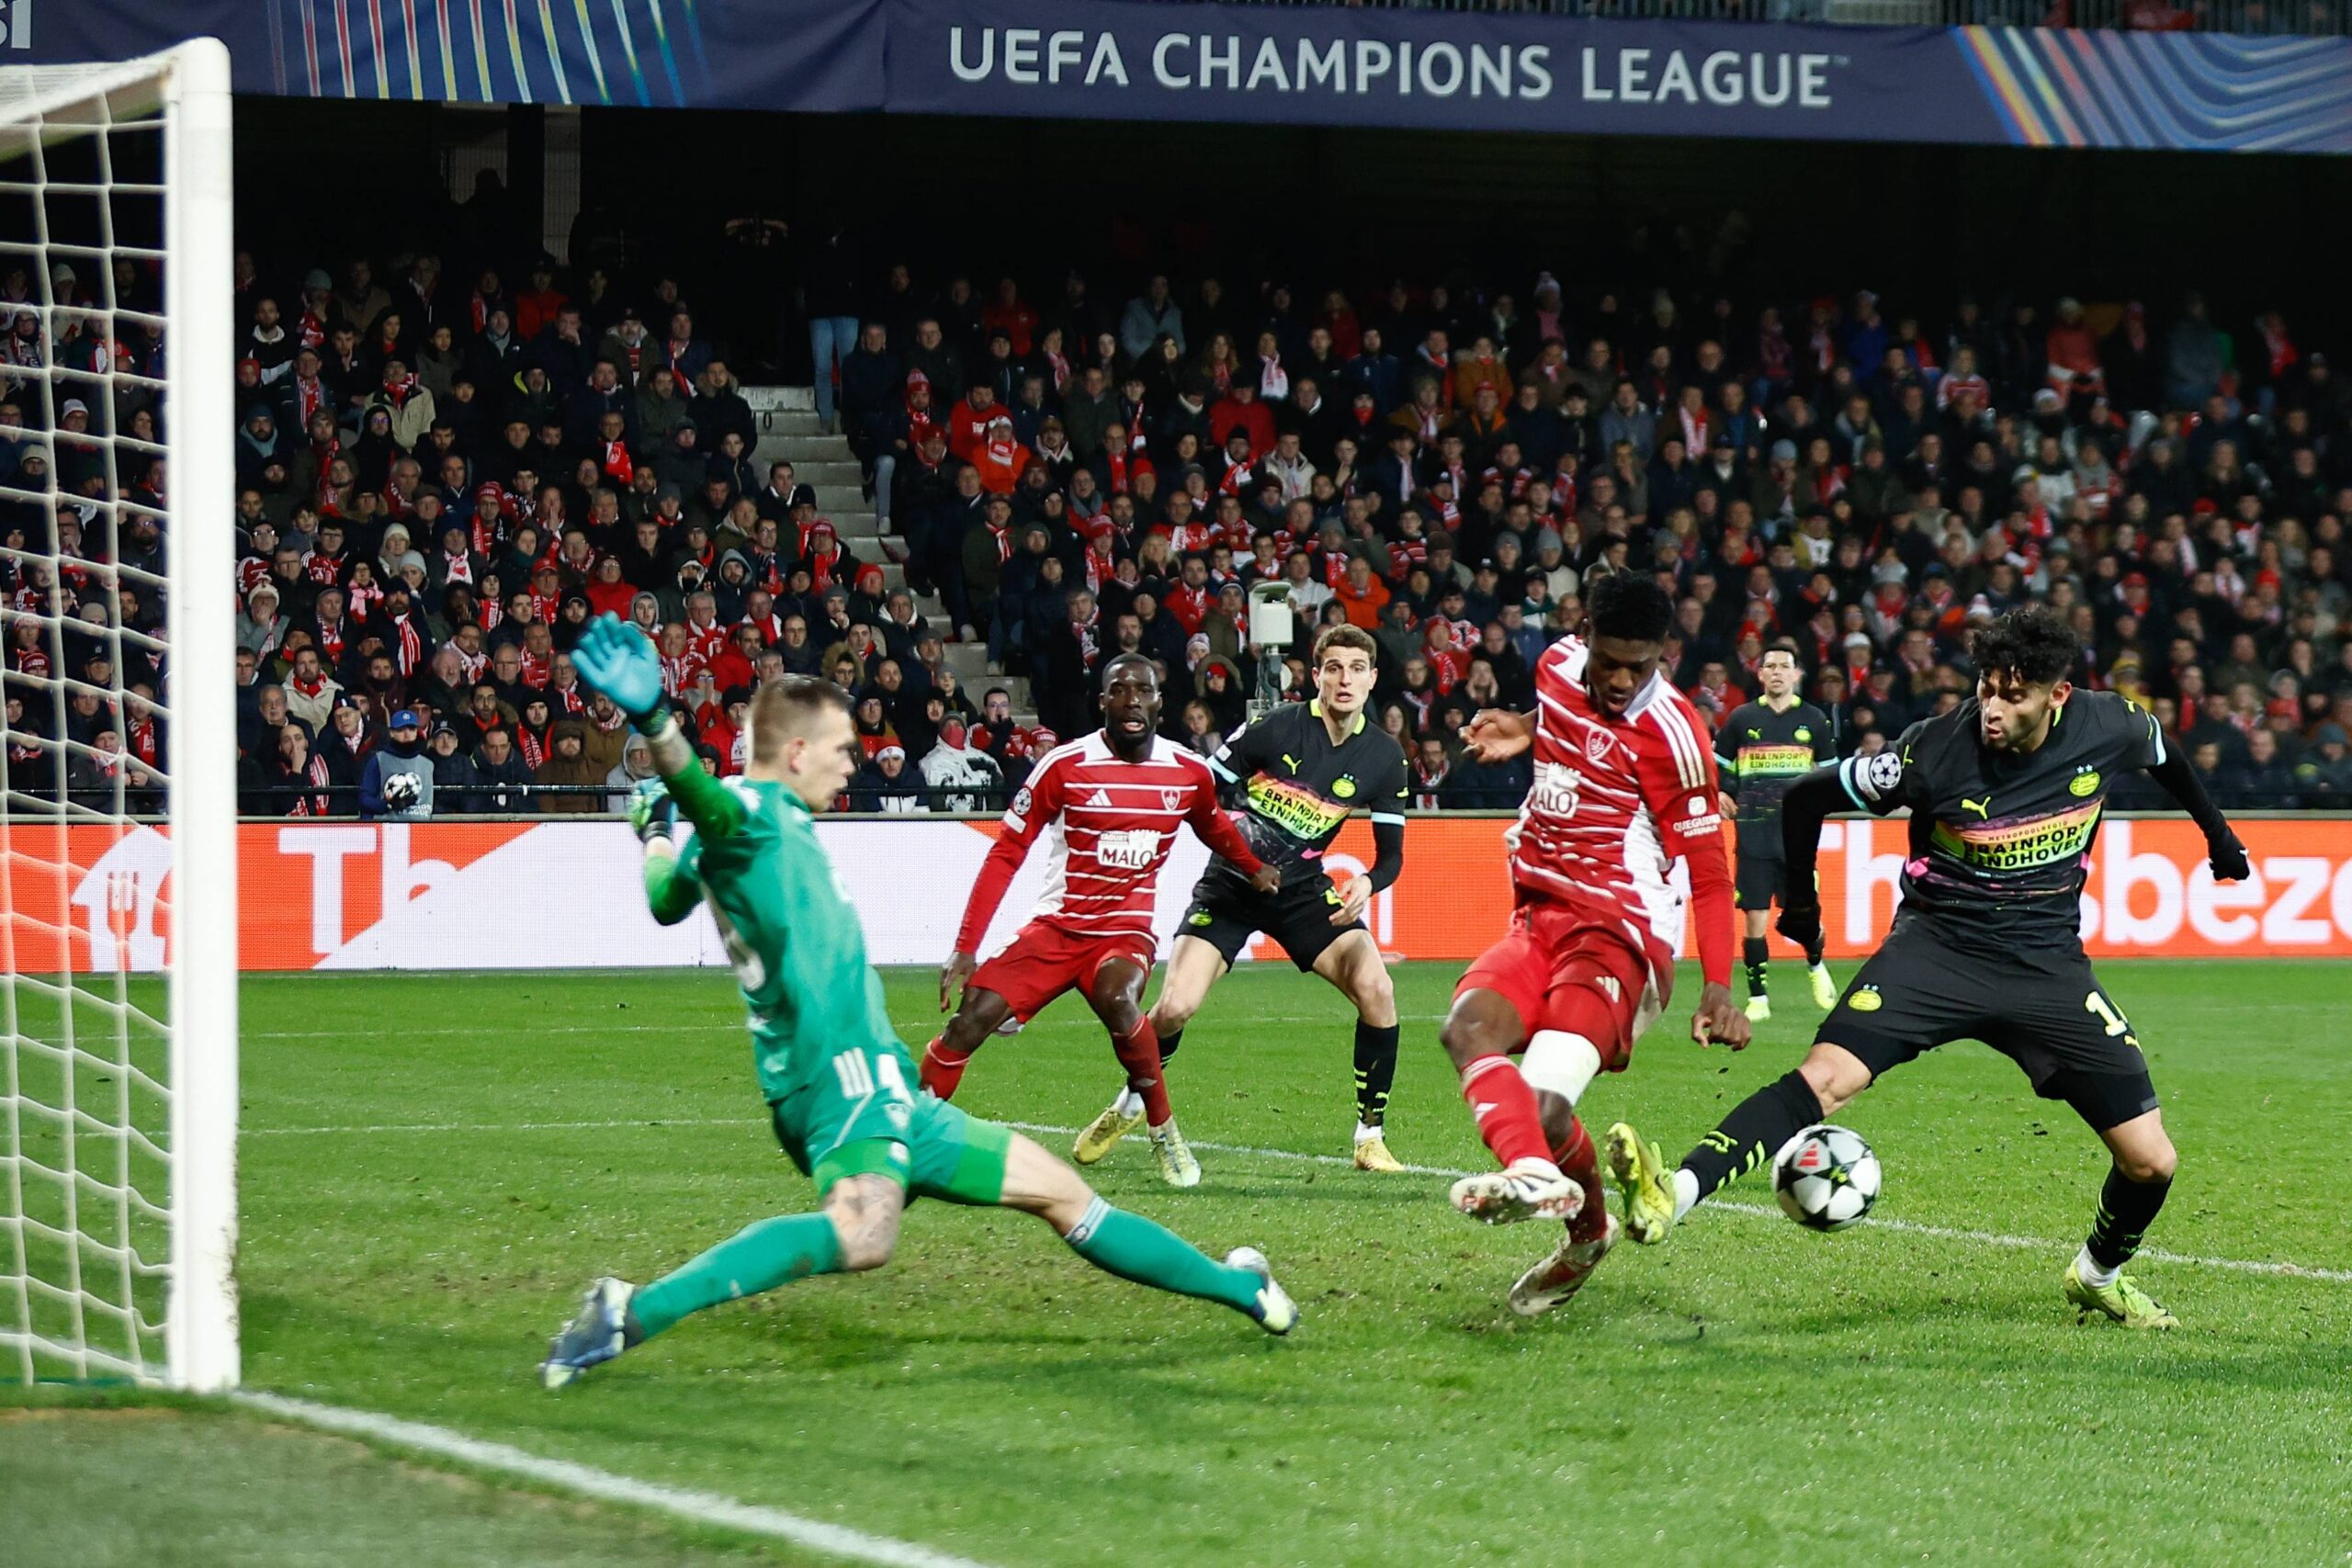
[(1826, 1178)]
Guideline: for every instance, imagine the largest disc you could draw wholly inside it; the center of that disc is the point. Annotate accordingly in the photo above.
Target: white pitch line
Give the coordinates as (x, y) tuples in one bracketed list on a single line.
[(604, 1485), (1907, 1227)]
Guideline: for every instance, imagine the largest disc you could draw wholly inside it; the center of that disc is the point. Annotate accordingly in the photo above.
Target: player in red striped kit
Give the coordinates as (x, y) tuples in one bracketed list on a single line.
[(1109, 806), (1623, 787)]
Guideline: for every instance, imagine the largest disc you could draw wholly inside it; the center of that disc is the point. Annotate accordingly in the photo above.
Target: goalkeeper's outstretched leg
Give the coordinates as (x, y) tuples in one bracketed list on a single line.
[(857, 1229)]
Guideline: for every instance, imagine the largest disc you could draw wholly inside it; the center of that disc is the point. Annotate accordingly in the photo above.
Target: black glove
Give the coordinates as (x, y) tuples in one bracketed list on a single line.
[(1800, 923), (2227, 856)]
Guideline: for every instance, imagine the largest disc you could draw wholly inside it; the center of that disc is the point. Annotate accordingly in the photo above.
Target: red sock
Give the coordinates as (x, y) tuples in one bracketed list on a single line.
[(1576, 1158), (1139, 1053), (1504, 1108), (941, 1070)]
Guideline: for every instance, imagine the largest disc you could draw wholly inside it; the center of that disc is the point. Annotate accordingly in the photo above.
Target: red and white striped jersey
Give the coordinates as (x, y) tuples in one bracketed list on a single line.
[(1108, 826), (1614, 804)]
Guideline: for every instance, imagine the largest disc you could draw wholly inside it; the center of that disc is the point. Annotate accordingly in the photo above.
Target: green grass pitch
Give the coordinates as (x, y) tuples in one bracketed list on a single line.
[(433, 1166)]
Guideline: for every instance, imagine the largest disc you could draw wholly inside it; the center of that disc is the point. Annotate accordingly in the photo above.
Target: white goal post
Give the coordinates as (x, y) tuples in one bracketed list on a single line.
[(117, 825)]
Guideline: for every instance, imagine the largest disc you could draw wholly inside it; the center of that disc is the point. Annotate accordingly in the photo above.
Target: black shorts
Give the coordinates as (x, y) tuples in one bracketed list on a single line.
[(1227, 912), (2041, 1008), (1760, 881)]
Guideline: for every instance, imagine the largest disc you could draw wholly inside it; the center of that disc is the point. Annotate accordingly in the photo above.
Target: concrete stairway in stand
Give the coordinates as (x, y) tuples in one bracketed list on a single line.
[(788, 433)]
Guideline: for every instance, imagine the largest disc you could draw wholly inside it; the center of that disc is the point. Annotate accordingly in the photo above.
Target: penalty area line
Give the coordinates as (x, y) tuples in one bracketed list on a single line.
[(603, 1485)]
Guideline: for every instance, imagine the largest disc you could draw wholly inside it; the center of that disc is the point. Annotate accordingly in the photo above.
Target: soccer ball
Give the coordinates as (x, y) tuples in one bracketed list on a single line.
[(402, 790), (1825, 1176)]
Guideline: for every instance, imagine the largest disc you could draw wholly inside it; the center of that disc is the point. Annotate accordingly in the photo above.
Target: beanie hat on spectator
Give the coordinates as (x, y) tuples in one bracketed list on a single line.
[(316, 279), (2332, 734), (887, 752), (1784, 451)]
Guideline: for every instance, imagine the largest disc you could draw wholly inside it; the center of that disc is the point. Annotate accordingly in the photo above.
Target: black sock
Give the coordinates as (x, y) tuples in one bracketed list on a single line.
[(1168, 1040), (1756, 954), (1813, 954), (1755, 1130), (2126, 1209), (1375, 1069)]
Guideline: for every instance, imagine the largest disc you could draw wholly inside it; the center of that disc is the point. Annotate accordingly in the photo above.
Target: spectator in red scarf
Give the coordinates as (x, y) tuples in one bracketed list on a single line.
[(1000, 458)]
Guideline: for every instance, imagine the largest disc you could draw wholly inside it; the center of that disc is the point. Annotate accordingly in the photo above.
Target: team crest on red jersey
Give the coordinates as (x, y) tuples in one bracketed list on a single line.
[(1597, 742), (1173, 799)]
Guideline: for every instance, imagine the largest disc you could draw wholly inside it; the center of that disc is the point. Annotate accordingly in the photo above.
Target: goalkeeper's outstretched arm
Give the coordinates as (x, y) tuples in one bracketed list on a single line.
[(617, 660)]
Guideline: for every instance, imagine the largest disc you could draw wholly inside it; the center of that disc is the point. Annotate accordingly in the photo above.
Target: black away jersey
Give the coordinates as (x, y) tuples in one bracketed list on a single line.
[(1297, 787), (1761, 752), (1999, 841)]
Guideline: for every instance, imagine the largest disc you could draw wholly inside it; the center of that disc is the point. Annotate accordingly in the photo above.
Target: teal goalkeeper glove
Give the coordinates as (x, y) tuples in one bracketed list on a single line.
[(652, 813), (615, 659)]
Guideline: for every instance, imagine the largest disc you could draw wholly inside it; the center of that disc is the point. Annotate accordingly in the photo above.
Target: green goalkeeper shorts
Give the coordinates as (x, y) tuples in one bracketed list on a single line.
[(857, 1117)]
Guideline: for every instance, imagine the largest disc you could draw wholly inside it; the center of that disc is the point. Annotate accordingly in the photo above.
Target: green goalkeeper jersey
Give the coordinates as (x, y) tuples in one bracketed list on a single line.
[(791, 930)]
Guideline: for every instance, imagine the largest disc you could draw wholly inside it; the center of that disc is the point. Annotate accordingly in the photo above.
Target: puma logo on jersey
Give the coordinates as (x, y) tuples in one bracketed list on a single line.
[(1292, 761), (1978, 807), (1755, 735)]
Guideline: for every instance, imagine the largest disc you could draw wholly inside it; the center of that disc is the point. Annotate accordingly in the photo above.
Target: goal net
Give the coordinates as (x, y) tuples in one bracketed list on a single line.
[(118, 833)]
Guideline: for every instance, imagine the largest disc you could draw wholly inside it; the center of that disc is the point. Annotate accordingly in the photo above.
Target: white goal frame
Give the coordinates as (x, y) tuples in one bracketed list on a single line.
[(190, 86)]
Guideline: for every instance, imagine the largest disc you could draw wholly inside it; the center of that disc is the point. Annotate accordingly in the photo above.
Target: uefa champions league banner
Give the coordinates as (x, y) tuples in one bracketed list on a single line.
[(561, 894), (1320, 64)]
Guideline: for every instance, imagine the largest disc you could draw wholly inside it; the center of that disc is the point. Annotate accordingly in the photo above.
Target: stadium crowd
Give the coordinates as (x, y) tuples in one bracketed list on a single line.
[(441, 479)]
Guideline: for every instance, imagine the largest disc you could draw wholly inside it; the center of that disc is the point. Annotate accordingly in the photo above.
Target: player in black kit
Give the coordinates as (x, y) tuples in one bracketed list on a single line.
[(2004, 794), (1764, 747), (1300, 771)]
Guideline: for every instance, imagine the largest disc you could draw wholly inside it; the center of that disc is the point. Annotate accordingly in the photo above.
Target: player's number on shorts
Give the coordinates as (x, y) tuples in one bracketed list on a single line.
[(2107, 1015), (860, 1076)]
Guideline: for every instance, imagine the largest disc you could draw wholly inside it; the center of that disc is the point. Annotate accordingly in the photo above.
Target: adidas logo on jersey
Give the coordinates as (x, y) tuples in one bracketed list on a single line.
[(1609, 988), (1101, 797)]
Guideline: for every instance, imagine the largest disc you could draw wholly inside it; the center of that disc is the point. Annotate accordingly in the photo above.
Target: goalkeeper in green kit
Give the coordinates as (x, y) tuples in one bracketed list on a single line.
[(839, 1084)]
